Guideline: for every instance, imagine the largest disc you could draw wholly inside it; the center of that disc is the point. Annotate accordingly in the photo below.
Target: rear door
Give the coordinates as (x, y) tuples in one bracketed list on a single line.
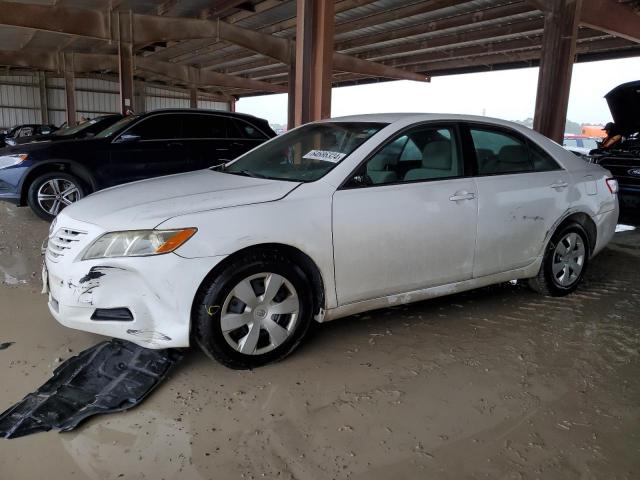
[(210, 138), (157, 150), (522, 191)]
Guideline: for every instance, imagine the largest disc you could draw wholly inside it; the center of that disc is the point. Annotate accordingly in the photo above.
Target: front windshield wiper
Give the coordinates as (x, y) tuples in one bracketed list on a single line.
[(249, 173)]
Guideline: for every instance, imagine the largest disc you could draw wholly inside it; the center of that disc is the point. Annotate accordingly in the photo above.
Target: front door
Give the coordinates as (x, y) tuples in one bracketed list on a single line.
[(150, 148), (411, 223)]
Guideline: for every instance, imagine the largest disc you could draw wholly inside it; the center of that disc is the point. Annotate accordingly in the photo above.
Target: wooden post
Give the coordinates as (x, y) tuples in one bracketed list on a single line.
[(44, 100), (125, 61), (556, 64), (193, 97), (69, 89), (314, 60), (291, 97)]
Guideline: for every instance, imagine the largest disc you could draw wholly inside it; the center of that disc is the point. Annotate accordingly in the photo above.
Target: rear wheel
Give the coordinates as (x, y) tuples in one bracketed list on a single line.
[(51, 192), (564, 263), (256, 311)]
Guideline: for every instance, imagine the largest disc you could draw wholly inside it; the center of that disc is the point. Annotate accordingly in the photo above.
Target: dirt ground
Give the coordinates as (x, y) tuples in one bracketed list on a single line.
[(495, 383)]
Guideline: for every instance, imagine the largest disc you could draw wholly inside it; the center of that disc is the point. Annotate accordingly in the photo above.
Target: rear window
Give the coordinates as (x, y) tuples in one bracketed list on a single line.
[(246, 130)]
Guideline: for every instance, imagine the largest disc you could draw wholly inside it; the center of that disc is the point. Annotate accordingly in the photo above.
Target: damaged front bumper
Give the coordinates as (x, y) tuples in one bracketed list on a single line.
[(145, 300)]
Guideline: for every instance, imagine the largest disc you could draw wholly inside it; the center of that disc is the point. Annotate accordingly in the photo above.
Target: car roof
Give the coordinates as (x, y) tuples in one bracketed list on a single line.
[(202, 110), (423, 117)]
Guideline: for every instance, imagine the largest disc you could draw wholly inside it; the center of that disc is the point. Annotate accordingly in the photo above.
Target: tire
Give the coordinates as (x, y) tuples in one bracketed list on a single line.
[(277, 335), (568, 249), (45, 201)]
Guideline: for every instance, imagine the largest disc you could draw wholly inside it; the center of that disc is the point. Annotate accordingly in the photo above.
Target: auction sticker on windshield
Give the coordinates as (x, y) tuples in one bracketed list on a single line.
[(326, 155)]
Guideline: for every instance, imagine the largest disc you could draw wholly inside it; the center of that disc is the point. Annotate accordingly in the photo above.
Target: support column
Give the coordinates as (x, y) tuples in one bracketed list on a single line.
[(193, 97), (291, 97), (125, 61), (139, 101), (314, 60), (232, 104), (556, 65), (44, 100), (69, 89)]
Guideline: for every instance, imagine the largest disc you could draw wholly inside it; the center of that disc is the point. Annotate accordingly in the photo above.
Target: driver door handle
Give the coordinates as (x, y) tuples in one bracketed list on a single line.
[(559, 185), (458, 196)]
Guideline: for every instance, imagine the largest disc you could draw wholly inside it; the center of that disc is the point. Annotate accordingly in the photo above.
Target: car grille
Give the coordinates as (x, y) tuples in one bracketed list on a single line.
[(63, 242)]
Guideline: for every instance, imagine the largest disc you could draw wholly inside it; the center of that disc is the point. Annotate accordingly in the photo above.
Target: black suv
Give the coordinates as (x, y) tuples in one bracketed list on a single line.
[(51, 175), (623, 160)]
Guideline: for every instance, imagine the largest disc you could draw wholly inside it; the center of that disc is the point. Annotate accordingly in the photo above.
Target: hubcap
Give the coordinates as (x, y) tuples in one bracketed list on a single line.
[(56, 194), (260, 313), (568, 259)]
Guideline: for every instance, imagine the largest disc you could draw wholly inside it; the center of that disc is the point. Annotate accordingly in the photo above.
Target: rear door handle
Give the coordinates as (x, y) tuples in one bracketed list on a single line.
[(560, 185), (174, 144), (458, 196)]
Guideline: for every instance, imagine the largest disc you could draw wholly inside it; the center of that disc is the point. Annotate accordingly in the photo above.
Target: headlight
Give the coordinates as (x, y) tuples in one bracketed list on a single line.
[(10, 160), (136, 243)]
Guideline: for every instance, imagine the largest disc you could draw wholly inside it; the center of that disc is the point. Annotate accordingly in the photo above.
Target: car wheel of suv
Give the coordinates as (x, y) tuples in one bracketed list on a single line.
[(256, 311), (51, 192), (565, 262)]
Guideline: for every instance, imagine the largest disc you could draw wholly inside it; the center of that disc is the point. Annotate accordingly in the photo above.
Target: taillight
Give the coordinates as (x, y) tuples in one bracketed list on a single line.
[(612, 184)]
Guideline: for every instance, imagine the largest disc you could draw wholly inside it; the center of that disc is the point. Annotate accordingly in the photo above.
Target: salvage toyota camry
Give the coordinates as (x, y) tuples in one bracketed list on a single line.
[(331, 219)]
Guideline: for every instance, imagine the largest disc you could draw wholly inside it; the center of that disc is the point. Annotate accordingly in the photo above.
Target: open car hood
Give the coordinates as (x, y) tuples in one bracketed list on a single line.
[(624, 104)]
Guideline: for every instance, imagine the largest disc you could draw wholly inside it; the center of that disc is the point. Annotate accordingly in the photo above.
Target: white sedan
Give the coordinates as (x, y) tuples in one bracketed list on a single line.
[(331, 219)]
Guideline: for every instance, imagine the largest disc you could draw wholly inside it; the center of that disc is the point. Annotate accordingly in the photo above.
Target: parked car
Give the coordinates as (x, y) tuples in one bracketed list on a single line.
[(26, 130), (330, 219), (48, 176), (83, 130), (581, 145), (624, 159)]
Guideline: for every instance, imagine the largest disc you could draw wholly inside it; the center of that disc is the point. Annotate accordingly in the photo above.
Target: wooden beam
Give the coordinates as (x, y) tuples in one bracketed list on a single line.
[(148, 28), (67, 20), (611, 17), (470, 20), (481, 35), (220, 7), (556, 65), (125, 61), (44, 100), (313, 65), (69, 89), (182, 73)]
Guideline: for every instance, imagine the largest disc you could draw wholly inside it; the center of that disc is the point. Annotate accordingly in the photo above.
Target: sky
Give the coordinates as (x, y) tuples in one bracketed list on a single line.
[(506, 94)]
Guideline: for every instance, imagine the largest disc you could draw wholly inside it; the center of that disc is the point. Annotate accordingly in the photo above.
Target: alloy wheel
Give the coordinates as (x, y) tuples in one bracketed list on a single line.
[(57, 193), (260, 313), (568, 259)]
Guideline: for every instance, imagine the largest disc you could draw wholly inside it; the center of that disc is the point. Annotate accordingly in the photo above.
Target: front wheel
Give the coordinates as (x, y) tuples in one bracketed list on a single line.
[(51, 192), (256, 311), (564, 263)]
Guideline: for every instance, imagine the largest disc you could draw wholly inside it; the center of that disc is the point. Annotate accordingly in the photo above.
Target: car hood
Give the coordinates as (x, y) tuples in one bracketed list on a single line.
[(147, 203), (624, 104)]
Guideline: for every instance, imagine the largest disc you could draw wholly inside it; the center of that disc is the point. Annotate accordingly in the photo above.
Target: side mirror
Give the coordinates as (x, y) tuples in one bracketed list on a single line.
[(127, 138)]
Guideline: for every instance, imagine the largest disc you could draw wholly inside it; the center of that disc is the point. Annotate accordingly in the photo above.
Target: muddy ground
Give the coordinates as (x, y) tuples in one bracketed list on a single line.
[(495, 383)]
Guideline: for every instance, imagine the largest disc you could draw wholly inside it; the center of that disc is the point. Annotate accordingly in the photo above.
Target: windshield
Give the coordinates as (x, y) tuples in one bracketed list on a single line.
[(305, 154), (116, 127), (77, 128)]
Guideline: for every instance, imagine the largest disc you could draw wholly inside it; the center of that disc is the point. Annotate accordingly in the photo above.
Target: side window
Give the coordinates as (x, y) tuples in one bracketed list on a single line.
[(423, 153), (248, 131), (542, 161), (205, 126), (499, 152), (157, 127), (571, 142)]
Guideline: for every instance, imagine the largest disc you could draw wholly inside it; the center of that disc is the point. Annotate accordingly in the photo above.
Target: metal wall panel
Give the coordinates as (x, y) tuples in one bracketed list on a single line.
[(211, 105), (20, 99), (156, 98)]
